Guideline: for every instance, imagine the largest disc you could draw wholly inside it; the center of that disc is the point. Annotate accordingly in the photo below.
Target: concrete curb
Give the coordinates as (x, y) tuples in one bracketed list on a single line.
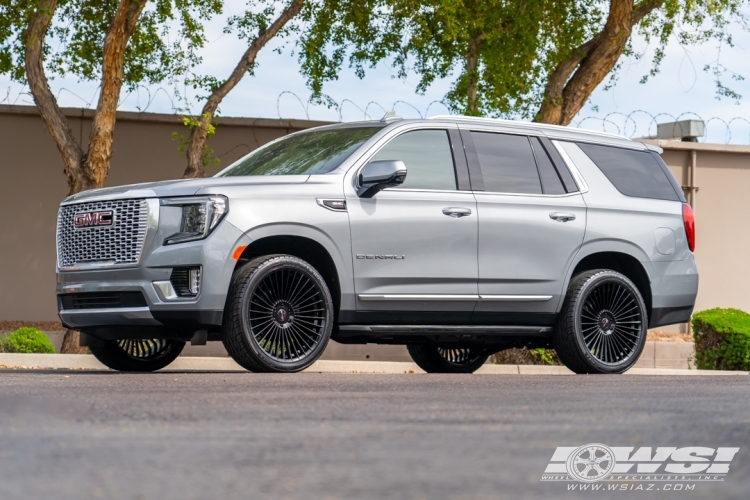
[(87, 362)]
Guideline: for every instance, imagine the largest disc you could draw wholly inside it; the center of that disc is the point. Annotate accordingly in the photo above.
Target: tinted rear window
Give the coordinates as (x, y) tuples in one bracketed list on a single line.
[(551, 181), (633, 173), (507, 163)]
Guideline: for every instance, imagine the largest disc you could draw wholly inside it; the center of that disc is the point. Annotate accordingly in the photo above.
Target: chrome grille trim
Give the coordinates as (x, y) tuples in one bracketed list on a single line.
[(118, 245)]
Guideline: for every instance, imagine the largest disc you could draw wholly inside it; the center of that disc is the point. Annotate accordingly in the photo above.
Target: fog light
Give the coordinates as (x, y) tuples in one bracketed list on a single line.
[(195, 280), (186, 281)]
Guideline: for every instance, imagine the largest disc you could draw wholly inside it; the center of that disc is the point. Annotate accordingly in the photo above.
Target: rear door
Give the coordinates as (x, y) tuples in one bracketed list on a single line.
[(415, 246), (532, 221)]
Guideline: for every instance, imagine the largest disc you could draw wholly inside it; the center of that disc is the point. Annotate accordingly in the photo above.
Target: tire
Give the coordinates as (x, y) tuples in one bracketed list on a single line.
[(602, 325), (436, 359), (138, 355), (291, 318)]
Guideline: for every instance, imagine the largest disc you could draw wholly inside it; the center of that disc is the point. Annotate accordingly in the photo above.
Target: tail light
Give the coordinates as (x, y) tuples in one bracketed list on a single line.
[(689, 219)]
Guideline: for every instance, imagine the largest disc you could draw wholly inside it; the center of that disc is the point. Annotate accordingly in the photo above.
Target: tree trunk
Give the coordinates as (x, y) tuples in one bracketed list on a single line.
[(83, 171), (71, 343), (199, 133), (113, 67), (45, 101), (574, 80), (472, 74)]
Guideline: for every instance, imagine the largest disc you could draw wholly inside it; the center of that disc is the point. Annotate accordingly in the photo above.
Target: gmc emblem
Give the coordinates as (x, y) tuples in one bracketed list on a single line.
[(93, 219)]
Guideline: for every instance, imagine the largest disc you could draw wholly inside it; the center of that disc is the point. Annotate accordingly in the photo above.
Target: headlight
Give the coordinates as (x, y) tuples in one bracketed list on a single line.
[(200, 215)]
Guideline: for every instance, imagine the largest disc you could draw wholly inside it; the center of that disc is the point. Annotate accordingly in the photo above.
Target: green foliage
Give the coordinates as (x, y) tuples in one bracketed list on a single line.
[(27, 340), (191, 122), (722, 339), (248, 25), (163, 45), (547, 356), (517, 44)]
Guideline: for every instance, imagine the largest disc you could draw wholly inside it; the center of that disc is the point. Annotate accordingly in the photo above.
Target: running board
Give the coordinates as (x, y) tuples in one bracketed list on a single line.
[(526, 331)]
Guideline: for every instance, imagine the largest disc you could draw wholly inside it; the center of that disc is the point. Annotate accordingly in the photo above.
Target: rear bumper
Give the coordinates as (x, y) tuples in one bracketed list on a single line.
[(674, 288), (662, 316)]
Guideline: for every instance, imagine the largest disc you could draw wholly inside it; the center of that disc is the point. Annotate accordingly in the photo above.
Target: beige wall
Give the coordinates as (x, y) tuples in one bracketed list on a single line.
[(722, 206), (32, 185)]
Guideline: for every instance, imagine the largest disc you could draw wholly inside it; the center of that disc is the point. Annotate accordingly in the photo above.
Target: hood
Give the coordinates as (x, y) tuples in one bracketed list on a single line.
[(183, 187)]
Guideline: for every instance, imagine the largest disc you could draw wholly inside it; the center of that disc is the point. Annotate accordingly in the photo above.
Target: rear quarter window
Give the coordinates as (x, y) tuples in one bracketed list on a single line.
[(633, 173)]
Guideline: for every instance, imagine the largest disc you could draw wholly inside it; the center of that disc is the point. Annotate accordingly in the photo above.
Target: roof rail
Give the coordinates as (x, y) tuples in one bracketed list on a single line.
[(499, 121)]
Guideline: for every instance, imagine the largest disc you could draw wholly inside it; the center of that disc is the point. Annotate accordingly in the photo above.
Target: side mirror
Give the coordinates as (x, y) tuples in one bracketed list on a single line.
[(379, 175)]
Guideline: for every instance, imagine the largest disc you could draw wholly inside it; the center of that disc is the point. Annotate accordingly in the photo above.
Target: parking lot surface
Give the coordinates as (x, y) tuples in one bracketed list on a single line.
[(241, 435)]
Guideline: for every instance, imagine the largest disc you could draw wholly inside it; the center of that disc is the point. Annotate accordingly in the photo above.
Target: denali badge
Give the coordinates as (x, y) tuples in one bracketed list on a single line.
[(388, 257), (91, 219)]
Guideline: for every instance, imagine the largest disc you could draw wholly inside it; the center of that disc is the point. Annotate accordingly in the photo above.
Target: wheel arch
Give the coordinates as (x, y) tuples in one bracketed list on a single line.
[(625, 264), (302, 247)]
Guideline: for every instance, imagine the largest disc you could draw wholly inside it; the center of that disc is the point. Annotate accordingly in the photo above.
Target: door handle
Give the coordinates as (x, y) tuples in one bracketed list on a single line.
[(562, 216), (456, 212)]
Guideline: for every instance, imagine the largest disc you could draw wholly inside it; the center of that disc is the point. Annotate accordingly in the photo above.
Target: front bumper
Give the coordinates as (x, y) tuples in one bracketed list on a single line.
[(125, 316), (158, 317)]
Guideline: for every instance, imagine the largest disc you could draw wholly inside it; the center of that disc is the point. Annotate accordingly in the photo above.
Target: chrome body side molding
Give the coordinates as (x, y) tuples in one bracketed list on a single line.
[(442, 297), (533, 331)]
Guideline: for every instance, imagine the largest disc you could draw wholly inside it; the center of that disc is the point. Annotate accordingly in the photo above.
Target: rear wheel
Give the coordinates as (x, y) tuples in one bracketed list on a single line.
[(603, 323), (436, 359), (138, 355), (279, 315)]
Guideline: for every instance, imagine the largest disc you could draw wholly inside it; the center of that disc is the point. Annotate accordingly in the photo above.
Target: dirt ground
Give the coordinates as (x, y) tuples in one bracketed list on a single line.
[(45, 326), (660, 336)]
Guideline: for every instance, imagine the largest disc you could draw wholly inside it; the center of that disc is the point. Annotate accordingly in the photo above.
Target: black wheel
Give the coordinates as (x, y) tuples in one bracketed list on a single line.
[(603, 323), (279, 315), (436, 359), (138, 355)]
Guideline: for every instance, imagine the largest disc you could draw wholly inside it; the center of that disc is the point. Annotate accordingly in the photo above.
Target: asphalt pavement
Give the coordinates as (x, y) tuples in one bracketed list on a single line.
[(306, 436)]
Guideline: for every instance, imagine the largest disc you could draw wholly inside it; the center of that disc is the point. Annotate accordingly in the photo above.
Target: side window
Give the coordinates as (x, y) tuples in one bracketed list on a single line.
[(633, 173), (551, 182), (507, 163), (428, 159)]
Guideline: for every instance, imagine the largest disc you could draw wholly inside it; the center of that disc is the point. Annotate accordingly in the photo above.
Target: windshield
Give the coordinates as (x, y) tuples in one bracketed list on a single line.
[(316, 152)]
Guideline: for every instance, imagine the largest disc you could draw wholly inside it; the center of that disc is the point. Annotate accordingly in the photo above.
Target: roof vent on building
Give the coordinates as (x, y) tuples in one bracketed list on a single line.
[(685, 130), (390, 116)]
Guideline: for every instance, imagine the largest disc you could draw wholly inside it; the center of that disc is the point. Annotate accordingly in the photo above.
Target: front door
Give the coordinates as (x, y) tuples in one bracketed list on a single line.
[(415, 246), (531, 225)]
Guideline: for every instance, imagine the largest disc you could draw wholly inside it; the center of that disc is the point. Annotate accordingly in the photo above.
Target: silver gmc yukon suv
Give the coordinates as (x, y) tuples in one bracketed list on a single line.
[(457, 237)]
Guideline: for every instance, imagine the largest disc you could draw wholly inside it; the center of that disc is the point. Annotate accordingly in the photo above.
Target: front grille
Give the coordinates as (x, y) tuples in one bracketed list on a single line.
[(120, 243), (102, 300)]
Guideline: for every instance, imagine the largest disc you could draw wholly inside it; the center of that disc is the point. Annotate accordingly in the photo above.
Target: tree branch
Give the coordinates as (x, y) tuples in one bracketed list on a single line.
[(643, 9), (199, 133), (551, 108), (574, 80)]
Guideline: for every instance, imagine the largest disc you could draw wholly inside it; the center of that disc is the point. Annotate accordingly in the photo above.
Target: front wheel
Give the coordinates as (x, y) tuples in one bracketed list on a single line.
[(436, 359), (138, 355), (279, 315), (603, 323)]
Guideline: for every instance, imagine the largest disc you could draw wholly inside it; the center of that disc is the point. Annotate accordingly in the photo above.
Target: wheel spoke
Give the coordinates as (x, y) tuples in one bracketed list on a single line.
[(458, 356), (287, 314), (611, 322), (146, 349)]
